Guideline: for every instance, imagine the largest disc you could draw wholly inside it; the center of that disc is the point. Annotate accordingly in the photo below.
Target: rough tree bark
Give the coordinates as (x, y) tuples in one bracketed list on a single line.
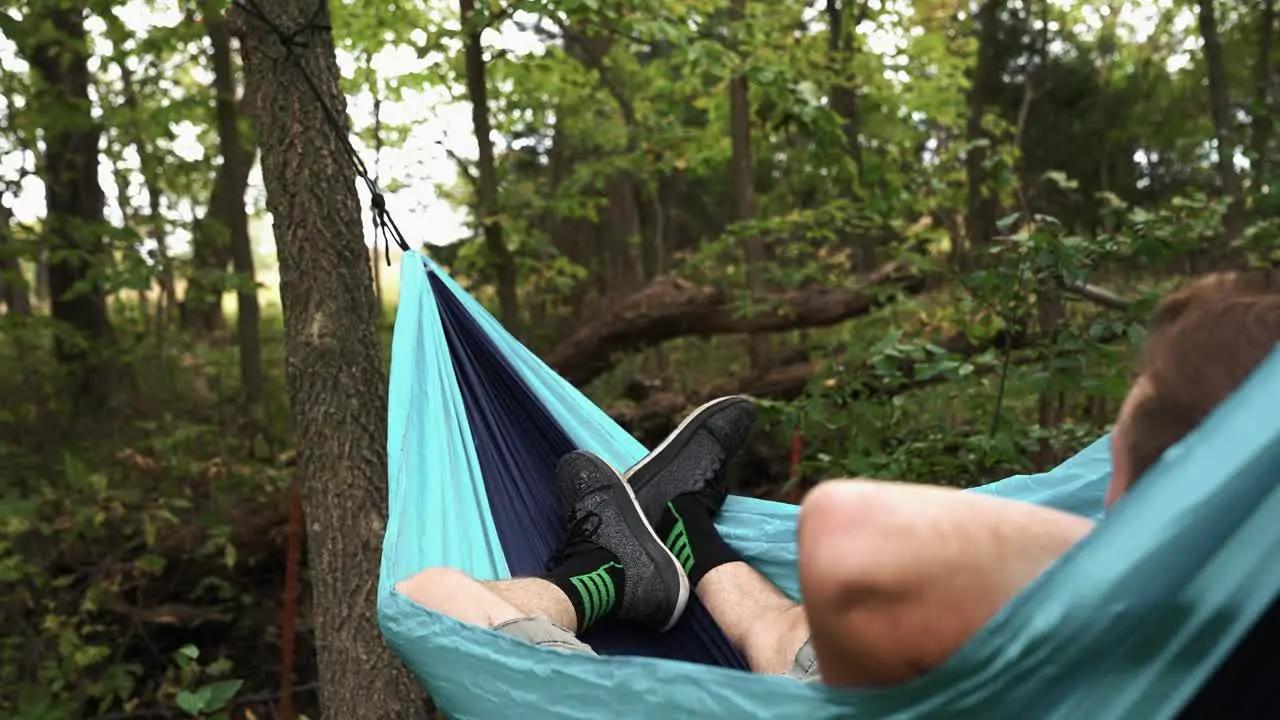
[(73, 197), (980, 214), (335, 373), (236, 156), (1220, 111), (742, 188), (504, 263)]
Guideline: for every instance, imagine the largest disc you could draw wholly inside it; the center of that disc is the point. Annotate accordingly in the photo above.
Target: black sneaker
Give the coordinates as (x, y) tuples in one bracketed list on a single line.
[(691, 458), (602, 510)]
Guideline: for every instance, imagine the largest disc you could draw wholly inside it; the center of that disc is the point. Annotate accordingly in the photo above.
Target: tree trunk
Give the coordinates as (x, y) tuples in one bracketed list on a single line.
[(844, 96), (134, 249), (1262, 122), (620, 231), (73, 200), (1220, 111), (155, 221), (622, 240), (504, 263), (211, 253), (570, 235), (742, 185), (13, 287), (42, 277), (335, 373), (980, 215), (842, 25), (211, 246), (237, 158)]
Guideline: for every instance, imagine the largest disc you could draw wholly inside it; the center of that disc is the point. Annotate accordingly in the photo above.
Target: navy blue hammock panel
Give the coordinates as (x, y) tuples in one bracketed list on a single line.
[(1129, 624)]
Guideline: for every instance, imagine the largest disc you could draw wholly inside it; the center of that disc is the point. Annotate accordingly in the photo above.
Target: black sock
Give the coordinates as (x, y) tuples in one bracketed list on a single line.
[(593, 581), (690, 534)]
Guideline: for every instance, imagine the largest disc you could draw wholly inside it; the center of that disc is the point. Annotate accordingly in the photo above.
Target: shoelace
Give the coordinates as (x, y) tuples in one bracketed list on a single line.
[(582, 531)]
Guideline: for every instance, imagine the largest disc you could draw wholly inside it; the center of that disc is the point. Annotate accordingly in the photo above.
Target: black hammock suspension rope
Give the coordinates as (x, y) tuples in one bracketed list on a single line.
[(384, 225)]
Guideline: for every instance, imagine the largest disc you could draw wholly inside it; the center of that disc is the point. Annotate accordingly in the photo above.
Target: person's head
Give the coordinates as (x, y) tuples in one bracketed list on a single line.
[(1204, 341)]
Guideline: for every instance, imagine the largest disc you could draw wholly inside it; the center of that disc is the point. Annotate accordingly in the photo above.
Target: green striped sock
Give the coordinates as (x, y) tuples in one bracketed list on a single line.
[(690, 534), (591, 577)]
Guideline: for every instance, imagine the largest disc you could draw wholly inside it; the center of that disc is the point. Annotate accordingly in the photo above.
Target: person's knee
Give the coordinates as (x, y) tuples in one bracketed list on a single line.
[(435, 585), (841, 531)]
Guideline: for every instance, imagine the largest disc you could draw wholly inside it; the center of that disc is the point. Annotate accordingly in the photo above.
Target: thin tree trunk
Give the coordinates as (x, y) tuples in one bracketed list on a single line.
[(980, 215), (1220, 111), (504, 263), (236, 157), (844, 97), (334, 369), (121, 175), (620, 222), (211, 252), (155, 220), (1262, 124), (842, 24), (42, 277), (742, 184), (13, 287), (568, 235), (73, 200)]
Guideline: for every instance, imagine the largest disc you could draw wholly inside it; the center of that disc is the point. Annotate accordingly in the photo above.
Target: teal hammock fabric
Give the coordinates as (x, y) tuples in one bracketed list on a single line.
[(1129, 624)]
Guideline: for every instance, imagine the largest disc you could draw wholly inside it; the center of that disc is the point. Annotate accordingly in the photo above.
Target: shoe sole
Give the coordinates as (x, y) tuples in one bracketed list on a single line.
[(681, 435), (663, 558)]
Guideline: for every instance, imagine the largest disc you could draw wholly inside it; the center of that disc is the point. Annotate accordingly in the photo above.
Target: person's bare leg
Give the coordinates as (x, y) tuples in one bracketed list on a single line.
[(488, 604), (765, 625), (896, 577)]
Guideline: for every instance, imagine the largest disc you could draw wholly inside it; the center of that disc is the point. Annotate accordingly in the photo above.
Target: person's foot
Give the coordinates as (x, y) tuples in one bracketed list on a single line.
[(691, 459), (610, 543)]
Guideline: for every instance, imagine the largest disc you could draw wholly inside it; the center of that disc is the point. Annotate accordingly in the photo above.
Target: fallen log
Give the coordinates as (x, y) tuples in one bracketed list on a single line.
[(657, 415), (670, 307)]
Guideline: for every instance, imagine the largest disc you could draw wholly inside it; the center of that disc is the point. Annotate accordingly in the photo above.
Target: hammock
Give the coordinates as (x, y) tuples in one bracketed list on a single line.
[(1129, 624)]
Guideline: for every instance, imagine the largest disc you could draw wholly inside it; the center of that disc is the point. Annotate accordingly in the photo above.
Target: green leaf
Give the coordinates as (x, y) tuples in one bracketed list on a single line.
[(193, 703), (220, 693), (150, 563)]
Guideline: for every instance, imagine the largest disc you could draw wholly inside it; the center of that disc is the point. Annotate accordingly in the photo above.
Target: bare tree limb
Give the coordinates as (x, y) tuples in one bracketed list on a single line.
[(464, 167), (1098, 295)]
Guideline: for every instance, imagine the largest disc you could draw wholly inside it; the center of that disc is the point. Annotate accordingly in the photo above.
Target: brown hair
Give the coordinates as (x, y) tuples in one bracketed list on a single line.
[(1204, 341)]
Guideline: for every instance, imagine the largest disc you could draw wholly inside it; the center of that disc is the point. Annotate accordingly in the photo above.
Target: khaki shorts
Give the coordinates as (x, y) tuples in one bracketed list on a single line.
[(540, 631)]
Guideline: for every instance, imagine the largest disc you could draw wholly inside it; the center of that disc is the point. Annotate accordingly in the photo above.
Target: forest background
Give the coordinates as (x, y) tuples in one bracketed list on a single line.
[(924, 233)]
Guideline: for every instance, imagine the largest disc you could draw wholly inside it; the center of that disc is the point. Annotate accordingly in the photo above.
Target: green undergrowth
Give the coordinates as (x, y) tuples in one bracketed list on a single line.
[(144, 537)]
